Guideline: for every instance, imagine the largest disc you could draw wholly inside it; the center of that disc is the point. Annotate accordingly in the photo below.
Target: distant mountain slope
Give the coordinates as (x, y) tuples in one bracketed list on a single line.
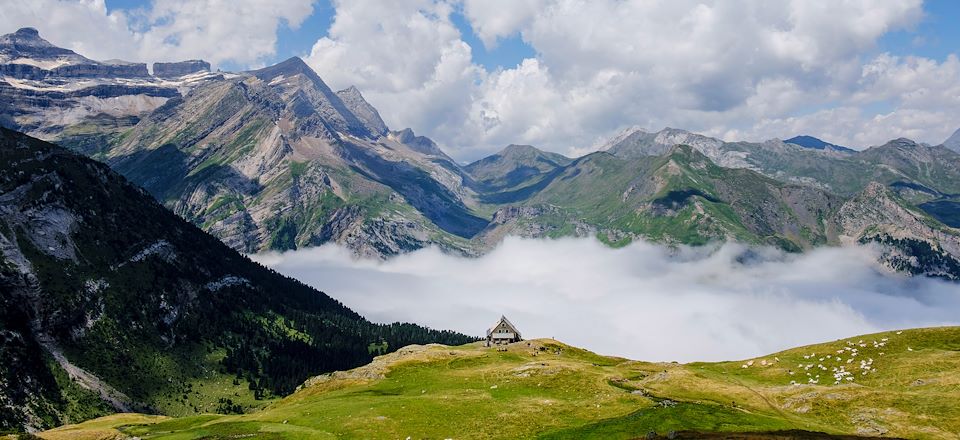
[(100, 283), (680, 197), (683, 197), (953, 142), (513, 165), (897, 384), (816, 144)]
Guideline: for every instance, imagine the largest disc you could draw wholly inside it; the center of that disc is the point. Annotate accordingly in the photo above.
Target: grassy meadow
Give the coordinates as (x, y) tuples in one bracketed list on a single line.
[(894, 384)]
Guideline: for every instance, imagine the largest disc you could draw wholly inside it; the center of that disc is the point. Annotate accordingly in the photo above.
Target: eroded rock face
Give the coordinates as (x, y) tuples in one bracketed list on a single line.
[(953, 142), (24, 55), (56, 94), (179, 68), (354, 101)]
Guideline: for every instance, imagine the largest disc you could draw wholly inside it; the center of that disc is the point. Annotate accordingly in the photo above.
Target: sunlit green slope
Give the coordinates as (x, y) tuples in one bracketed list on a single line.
[(894, 384)]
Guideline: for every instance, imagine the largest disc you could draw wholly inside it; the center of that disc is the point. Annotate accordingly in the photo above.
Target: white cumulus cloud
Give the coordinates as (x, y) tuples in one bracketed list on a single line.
[(740, 70), (239, 31), (643, 301)]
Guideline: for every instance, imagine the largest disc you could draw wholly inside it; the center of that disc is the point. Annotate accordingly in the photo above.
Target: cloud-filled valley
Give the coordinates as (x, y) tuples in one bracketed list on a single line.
[(643, 301)]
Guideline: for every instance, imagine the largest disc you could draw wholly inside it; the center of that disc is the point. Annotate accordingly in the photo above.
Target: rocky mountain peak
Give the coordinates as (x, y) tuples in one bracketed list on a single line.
[(622, 136), (289, 67), (26, 45), (517, 149), (421, 144), (403, 136), (354, 101), (297, 81), (180, 68), (904, 143), (953, 142), (27, 32), (24, 54), (807, 141)]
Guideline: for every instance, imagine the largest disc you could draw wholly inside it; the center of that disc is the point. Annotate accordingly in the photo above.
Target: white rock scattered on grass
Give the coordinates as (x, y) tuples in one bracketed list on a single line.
[(899, 333)]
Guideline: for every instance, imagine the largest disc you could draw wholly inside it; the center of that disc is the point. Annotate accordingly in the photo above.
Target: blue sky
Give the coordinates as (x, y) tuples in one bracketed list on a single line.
[(935, 37), (297, 42)]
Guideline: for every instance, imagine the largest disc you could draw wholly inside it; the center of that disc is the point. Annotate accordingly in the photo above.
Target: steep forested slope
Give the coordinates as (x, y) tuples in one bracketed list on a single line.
[(146, 311)]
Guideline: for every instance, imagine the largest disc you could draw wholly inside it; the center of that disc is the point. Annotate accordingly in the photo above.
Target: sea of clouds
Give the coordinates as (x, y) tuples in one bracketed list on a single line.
[(643, 301)]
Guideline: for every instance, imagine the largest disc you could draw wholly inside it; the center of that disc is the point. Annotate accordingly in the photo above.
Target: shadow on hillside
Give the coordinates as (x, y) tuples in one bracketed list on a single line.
[(420, 190), (168, 173)]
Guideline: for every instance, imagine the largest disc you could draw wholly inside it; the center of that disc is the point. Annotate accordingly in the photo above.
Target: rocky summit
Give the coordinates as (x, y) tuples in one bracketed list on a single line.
[(953, 142), (180, 68)]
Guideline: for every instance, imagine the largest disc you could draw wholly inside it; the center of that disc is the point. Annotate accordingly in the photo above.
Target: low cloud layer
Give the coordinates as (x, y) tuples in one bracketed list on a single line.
[(643, 301)]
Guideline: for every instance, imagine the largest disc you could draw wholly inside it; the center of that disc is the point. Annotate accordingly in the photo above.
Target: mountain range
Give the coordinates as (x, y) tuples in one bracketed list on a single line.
[(273, 159)]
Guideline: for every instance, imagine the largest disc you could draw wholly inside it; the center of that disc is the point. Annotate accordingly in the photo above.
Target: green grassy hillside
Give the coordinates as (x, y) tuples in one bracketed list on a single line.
[(893, 384)]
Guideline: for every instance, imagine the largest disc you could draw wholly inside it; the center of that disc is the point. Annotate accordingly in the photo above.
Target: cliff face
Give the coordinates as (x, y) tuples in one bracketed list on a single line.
[(55, 93), (180, 68), (24, 55)]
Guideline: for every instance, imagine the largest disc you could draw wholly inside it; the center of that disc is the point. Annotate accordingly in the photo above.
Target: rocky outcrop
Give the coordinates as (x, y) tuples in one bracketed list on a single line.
[(421, 144), (26, 44), (307, 93), (878, 215), (953, 142), (354, 101), (179, 68), (102, 70), (57, 94), (24, 55)]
